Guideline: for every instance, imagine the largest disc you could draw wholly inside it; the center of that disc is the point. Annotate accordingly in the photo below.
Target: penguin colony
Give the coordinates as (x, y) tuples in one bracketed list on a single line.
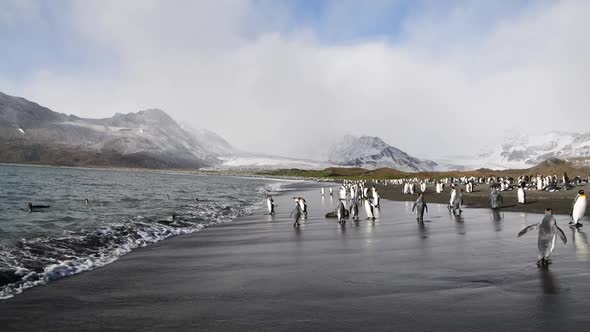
[(354, 194)]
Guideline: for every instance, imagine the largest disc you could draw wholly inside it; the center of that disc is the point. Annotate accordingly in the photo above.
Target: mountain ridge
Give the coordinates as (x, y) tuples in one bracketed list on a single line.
[(372, 151)]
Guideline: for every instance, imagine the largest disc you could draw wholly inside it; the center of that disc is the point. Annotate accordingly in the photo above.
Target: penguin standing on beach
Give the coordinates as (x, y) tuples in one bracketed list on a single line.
[(331, 191), (578, 209), (341, 212), (453, 195), (322, 191), (495, 199), (457, 203), (354, 210), (369, 209), (296, 214), (270, 204), (521, 195), (302, 205), (548, 232), (420, 206)]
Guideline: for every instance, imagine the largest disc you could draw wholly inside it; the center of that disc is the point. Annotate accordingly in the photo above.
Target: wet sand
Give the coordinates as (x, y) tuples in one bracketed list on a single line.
[(260, 274), (537, 201)]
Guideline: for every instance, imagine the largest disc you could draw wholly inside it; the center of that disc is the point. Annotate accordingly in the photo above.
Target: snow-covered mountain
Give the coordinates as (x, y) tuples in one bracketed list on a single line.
[(528, 150), (148, 138), (373, 152)]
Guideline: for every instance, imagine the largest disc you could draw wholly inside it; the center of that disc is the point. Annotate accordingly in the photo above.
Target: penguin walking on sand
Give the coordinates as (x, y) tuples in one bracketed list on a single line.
[(354, 210), (453, 195), (341, 213), (420, 206), (296, 214), (302, 205), (457, 203), (521, 195), (578, 209), (270, 204), (496, 199), (369, 209), (548, 232)]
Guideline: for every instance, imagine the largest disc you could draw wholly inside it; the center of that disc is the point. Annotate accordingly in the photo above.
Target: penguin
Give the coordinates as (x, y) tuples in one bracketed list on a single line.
[(303, 206), (331, 191), (86, 201), (271, 205), (354, 210), (495, 199), (167, 196), (36, 208), (578, 209), (369, 209), (376, 199), (322, 191), (423, 187), (548, 232), (453, 195), (296, 214), (521, 195), (420, 206), (341, 212), (457, 203)]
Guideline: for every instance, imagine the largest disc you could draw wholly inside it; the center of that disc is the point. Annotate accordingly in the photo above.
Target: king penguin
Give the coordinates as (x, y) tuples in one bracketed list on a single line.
[(521, 195), (548, 232), (270, 204), (578, 209), (420, 206)]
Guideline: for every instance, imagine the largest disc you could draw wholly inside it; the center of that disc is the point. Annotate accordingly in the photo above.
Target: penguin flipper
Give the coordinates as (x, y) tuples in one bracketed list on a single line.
[(528, 228), (561, 234)]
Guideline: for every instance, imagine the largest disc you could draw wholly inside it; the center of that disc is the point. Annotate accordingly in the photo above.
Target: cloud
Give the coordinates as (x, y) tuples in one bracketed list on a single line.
[(449, 82)]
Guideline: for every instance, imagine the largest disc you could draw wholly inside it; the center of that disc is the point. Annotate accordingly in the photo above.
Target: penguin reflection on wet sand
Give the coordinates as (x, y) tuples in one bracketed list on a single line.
[(578, 209), (548, 232), (420, 206)]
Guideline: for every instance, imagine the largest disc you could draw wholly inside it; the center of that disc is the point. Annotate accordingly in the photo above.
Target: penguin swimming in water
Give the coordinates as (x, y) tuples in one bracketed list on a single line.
[(420, 206), (578, 209), (270, 204), (548, 232), (36, 208), (521, 195)]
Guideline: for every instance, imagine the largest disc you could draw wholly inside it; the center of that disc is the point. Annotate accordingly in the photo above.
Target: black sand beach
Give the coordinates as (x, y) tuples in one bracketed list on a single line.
[(537, 201), (260, 274)]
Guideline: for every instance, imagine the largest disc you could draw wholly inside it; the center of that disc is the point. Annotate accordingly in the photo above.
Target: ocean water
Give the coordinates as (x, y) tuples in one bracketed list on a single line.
[(125, 210)]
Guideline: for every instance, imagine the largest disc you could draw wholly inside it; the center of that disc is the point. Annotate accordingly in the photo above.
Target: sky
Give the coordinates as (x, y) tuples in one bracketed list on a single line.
[(433, 78)]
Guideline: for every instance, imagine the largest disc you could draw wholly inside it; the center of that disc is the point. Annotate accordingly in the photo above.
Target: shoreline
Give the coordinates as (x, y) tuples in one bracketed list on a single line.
[(259, 273)]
